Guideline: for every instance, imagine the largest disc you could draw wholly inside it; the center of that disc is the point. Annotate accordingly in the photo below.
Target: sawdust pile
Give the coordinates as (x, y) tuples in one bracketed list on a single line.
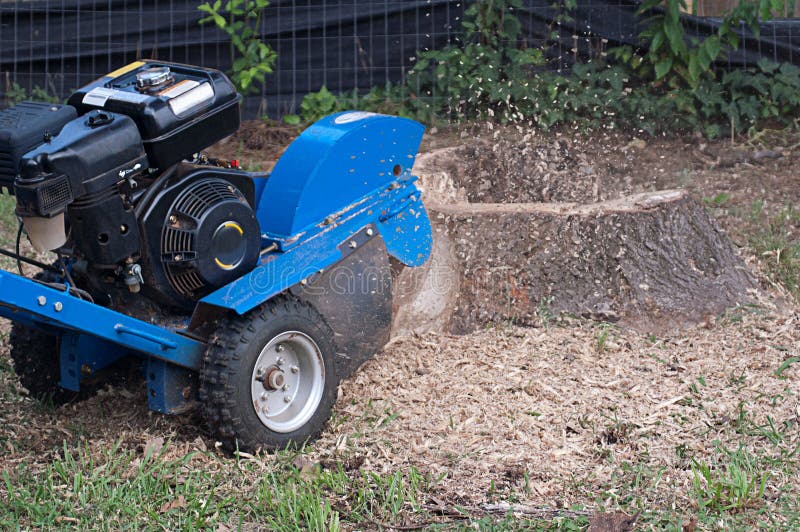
[(525, 170), (557, 411)]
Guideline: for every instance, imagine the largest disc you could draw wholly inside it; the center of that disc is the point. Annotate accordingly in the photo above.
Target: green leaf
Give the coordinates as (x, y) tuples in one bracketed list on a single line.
[(713, 46), (694, 68), (675, 36), (239, 64), (704, 58), (663, 67), (766, 66), (658, 40), (785, 365)]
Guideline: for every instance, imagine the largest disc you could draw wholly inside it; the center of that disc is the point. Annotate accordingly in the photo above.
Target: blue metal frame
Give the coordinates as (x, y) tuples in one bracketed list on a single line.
[(82, 355), (342, 182), (31, 302)]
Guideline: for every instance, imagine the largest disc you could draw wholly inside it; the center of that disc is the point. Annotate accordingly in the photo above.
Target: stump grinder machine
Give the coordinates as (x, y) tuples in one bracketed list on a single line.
[(246, 295)]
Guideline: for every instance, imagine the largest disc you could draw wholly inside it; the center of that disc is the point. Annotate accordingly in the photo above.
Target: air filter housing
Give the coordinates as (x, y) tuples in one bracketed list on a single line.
[(24, 127)]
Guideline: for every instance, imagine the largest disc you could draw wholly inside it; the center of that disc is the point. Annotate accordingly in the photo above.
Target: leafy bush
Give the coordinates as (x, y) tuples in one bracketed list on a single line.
[(251, 59), (16, 93), (388, 100), (486, 78), (671, 87)]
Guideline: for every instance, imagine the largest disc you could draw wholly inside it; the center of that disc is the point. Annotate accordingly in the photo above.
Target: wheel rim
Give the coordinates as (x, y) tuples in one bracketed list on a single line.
[(288, 381)]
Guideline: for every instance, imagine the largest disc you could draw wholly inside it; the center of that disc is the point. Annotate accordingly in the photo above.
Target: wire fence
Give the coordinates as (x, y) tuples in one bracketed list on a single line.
[(51, 47)]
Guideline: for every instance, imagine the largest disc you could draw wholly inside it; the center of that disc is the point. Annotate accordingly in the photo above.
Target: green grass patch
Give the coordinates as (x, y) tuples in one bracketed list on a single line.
[(778, 246), (119, 488), (8, 218), (718, 200), (733, 481)]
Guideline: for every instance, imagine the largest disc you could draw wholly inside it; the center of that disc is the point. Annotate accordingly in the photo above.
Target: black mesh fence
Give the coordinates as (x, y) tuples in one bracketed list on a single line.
[(55, 46)]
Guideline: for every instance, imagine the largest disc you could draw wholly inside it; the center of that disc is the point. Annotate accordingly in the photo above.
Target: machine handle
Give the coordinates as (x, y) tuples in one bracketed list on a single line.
[(165, 344)]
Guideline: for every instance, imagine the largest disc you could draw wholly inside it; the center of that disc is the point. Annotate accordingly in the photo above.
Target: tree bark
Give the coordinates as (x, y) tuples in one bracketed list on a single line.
[(652, 260)]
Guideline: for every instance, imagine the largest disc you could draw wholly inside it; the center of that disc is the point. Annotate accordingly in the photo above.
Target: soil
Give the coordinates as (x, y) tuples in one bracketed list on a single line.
[(256, 145), (565, 411)]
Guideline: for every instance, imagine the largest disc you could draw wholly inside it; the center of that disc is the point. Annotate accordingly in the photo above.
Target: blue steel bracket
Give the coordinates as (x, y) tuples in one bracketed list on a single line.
[(27, 301), (406, 230), (170, 389), (83, 355)]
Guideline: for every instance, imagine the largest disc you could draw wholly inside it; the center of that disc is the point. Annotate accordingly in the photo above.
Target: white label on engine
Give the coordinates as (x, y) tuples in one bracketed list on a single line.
[(98, 96), (194, 98), (179, 88), (132, 97)]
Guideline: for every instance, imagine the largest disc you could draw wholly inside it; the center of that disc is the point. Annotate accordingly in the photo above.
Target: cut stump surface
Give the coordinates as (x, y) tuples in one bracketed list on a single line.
[(653, 260)]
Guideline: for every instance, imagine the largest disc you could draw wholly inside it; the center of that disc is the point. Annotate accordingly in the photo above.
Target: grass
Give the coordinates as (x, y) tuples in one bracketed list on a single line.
[(8, 218), (717, 200), (8, 227), (733, 482), (604, 336), (776, 242), (117, 488), (741, 486)]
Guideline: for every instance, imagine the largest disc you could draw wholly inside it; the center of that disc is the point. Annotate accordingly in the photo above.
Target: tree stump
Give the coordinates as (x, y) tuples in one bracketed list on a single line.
[(654, 260)]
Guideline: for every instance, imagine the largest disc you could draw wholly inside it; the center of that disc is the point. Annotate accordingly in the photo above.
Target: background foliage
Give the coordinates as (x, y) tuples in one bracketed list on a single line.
[(670, 82), (251, 58)]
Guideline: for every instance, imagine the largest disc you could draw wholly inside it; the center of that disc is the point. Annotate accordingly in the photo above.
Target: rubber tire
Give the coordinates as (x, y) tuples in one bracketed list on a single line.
[(228, 366), (36, 357)]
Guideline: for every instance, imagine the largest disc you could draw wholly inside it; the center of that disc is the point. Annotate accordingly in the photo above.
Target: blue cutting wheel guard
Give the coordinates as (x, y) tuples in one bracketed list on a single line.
[(348, 173)]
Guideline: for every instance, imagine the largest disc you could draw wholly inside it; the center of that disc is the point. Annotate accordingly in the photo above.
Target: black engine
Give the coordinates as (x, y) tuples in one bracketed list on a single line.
[(114, 182)]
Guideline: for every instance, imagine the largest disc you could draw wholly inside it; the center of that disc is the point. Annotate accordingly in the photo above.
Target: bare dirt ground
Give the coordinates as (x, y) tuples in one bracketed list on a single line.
[(567, 412)]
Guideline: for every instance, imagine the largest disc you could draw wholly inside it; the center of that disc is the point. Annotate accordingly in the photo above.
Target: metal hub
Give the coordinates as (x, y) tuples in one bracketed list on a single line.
[(288, 381), (275, 380)]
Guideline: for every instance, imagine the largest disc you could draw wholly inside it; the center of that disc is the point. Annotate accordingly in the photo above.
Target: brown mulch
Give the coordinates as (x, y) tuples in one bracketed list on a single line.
[(257, 144), (548, 414), (554, 412)]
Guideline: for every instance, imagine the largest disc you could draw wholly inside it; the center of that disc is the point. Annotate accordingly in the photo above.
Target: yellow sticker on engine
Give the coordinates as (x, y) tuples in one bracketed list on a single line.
[(124, 70)]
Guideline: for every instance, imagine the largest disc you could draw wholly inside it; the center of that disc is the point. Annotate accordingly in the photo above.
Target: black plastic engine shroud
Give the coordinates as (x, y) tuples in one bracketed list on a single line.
[(199, 232)]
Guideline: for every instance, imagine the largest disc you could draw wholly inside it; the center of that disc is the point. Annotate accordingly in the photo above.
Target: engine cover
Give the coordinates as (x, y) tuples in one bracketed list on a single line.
[(201, 233), (179, 109)]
